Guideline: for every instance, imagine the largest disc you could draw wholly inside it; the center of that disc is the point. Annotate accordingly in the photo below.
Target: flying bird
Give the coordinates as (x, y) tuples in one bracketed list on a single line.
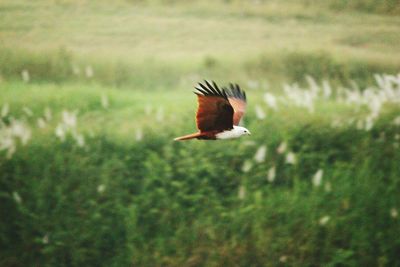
[(219, 112)]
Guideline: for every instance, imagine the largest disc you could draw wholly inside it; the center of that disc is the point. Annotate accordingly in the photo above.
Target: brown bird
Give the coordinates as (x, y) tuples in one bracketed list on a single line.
[(219, 112)]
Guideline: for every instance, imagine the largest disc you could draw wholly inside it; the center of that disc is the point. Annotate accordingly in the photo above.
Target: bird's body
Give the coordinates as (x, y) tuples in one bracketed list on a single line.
[(219, 113)]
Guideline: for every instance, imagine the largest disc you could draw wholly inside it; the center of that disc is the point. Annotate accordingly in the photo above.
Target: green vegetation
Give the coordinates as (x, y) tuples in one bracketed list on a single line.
[(121, 200), (92, 95)]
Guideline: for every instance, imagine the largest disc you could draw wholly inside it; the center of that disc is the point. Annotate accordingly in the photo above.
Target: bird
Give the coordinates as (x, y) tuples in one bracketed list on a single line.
[(219, 112)]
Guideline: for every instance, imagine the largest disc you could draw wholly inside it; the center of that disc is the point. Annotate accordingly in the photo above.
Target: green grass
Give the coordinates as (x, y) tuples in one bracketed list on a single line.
[(178, 204), (130, 196)]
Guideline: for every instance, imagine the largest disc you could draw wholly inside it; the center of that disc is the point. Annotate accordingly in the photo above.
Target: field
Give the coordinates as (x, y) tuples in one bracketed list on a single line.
[(93, 93)]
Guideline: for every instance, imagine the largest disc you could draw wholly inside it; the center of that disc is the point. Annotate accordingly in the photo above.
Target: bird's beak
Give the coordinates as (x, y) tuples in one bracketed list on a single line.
[(249, 133)]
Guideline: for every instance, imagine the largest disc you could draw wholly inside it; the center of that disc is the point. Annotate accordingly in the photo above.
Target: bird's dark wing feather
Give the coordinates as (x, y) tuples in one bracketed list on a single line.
[(214, 112), (237, 98)]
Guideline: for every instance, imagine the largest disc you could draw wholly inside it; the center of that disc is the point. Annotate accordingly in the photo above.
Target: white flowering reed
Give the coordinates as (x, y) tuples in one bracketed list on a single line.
[(22, 131), (260, 154), (253, 84), (68, 125), (291, 158), (282, 148), (271, 174), (300, 97), (369, 123), (89, 71), (326, 89), (247, 166), (25, 76), (80, 139), (60, 132), (313, 85), (387, 90), (317, 178), (12, 134), (283, 258), (396, 121), (17, 198), (324, 220), (69, 119), (45, 239), (139, 134), (271, 101), (41, 123), (260, 114), (101, 188), (47, 114), (394, 213), (104, 101), (241, 192)]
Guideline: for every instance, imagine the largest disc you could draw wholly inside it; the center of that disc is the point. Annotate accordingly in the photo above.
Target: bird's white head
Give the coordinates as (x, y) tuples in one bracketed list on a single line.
[(241, 130), (236, 132)]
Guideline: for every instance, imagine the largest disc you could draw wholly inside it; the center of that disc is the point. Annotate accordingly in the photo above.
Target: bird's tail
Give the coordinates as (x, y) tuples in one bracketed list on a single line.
[(187, 137)]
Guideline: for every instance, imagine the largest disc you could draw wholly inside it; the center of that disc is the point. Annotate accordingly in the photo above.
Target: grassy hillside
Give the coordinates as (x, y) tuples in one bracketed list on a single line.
[(93, 93), (154, 45)]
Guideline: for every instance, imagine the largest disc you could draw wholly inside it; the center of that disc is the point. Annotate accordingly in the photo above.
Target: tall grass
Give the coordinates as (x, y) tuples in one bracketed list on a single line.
[(162, 203), (119, 200)]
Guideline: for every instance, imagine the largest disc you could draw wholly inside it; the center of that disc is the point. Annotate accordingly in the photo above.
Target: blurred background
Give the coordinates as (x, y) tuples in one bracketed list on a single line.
[(92, 94)]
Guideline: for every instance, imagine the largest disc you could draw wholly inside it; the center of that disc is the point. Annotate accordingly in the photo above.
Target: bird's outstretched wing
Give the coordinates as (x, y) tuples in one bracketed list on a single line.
[(237, 98), (214, 112)]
